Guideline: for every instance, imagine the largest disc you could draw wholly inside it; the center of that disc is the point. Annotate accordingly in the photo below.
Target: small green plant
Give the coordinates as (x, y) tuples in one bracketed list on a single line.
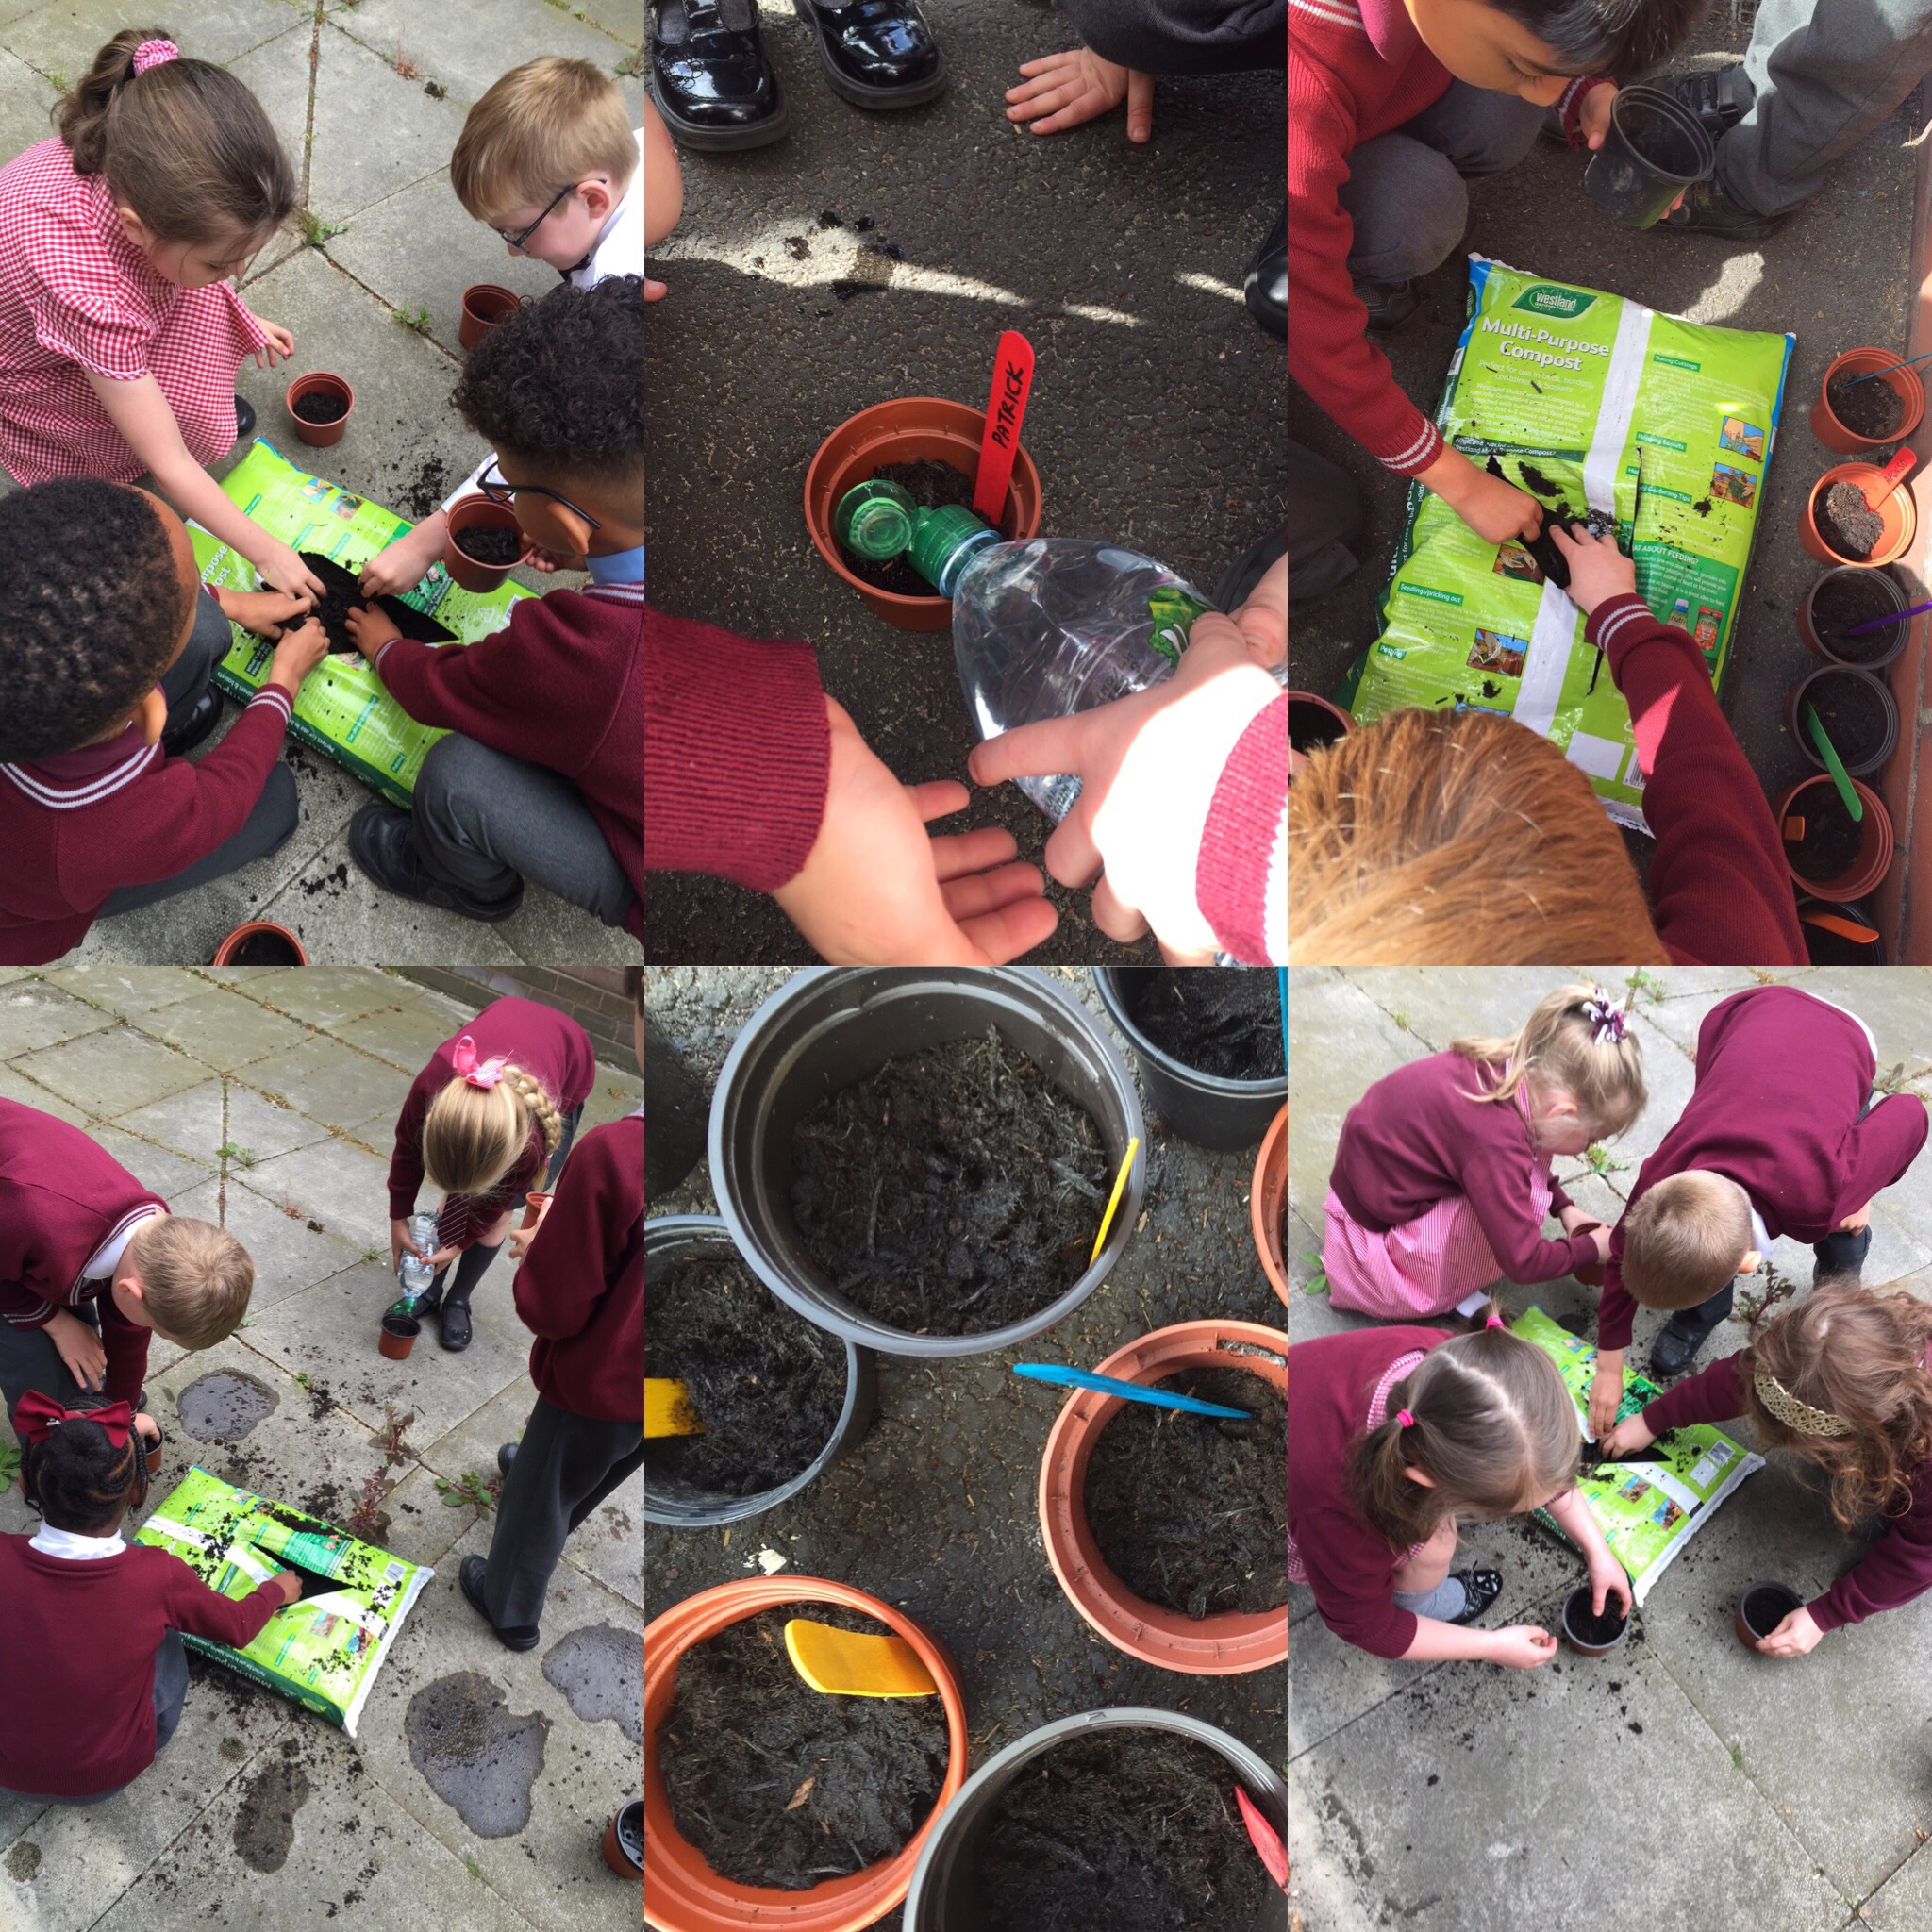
[(416, 318), (403, 65), (10, 1466), (476, 1870), (303, 1379), (1737, 1755), (241, 1157), (58, 78), (1318, 1282), (1643, 985), (315, 231), (473, 1490), (389, 1438), (1752, 1308), (1401, 1017), (1600, 1161)]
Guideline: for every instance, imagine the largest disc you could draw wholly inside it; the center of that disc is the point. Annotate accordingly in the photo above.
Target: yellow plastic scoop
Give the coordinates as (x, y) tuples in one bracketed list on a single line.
[(668, 1409), (853, 1664)]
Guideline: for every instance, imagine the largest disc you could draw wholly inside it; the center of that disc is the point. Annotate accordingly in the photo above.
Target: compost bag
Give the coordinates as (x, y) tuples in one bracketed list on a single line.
[(1611, 414), (325, 1650)]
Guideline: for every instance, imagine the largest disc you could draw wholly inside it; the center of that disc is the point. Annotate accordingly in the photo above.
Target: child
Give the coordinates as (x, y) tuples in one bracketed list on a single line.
[(92, 1263), (1842, 1380), (580, 1291), (1394, 1436), (663, 189), (478, 1124), (92, 1672), (1780, 1138), (119, 333), (110, 641), (1442, 1180), (543, 776)]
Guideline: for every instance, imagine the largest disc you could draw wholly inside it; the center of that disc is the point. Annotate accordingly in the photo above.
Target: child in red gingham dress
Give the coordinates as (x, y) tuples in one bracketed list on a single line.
[(120, 334)]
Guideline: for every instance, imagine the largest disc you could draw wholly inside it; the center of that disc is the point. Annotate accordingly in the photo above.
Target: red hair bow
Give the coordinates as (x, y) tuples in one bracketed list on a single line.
[(485, 1073), (38, 1416)]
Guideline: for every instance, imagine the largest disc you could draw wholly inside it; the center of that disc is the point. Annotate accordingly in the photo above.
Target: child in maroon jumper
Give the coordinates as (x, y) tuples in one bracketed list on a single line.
[(1394, 1436), (480, 1123), (1843, 1380), (92, 1672), (1442, 1180)]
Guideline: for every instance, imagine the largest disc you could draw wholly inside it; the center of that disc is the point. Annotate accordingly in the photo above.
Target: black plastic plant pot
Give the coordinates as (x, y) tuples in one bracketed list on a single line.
[(1655, 149), (1206, 1108), (1761, 1609), (675, 1105), (945, 1883), (828, 1027), (677, 1504), (1590, 1635), (1835, 935)]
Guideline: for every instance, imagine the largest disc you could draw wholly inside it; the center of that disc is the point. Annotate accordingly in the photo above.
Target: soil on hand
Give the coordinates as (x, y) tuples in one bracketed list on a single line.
[(497, 548), (1223, 1023), (264, 949), (777, 1784), (1847, 522), (1588, 1628), (1872, 408), (953, 1191), (1136, 1831), (931, 486), (767, 1384), (1830, 845), (1557, 513), (344, 595), (1852, 711), (1191, 1512), (1840, 604), (319, 405)]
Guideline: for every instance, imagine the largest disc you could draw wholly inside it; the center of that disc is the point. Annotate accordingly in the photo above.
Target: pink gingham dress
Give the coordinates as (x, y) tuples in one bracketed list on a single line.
[(1378, 1413), (77, 296)]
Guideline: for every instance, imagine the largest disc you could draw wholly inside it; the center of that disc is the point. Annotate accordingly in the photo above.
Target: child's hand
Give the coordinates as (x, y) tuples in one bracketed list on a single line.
[(78, 1345), (1606, 1392), (1594, 113), (298, 653), (1855, 1223), (370, 629), (1626, 1438), (521, 1238), (1522, 1647), (281, 345), (405, 564), (281, 568), (1077, 86), (1797, 1636), (654, 292), (1607, 1579), (1598, 570), (289, 1583), (264, 613), (146, 1427)]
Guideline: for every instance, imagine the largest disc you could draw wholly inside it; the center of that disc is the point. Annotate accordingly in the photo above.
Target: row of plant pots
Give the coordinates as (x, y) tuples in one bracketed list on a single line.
[(1758, 1612)]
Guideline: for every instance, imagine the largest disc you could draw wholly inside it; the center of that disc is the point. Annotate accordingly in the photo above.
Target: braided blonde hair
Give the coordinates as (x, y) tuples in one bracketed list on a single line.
[(473, 1135)]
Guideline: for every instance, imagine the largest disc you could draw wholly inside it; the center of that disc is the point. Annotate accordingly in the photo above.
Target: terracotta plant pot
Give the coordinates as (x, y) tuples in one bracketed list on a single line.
[(155, 1451), (1844, 933), (681, 1891), (624, 1841), (1578, 1619), (1810, 690), (1874, 845), (398, 1336), (1313, 722), (909, 429), (478, 512), (534, 1205), (1761, 1609), (319, 383), (1268, 1202), (1884, 584), (484, 306), (265, 931), (1904, 383), (1901, 518), (1216, 1646)]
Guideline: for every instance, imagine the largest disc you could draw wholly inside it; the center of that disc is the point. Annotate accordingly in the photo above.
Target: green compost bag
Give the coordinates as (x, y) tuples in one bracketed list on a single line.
[(324, 1650), (1579, 396), (343, 710)]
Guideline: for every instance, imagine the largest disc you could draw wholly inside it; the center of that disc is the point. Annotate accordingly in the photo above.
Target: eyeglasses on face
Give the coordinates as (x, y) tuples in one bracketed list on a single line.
[(523, 235), (493, 485)]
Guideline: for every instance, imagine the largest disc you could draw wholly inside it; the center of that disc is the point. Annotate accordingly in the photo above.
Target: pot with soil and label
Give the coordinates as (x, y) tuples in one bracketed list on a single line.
[(481, 543), (1840, 935), (931, 446), (1653, 150), (781, 1399), (1124, 1818), (1827, 854), (1841, 527), (918, 1160), (1834, 618), (1267, 1205), (1208, 1044), (724, 1847), (1852, 417), (1313, 722), (260, 943), (1589, 1633), (484, 306), (624, 1841), (1859, 714), (1761, 1609), (319, 405), (1168, 1532)]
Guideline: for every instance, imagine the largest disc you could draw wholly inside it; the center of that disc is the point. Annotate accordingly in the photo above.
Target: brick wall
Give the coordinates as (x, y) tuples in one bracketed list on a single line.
[(593, 996)]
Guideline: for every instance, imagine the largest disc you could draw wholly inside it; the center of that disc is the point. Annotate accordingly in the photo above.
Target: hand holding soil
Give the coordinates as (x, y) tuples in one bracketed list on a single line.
[(1060, 91), (1606, 1391), (1494, 508), (369, 630), (1797, 1636), (281, 568), (405, 562), (264, 613), (298, 653), (1521, 1647), (1626, 1438), (1598, 570)]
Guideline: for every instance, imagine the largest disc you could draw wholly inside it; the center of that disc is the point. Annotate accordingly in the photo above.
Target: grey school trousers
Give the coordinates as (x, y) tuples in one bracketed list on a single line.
[(171, 1691)]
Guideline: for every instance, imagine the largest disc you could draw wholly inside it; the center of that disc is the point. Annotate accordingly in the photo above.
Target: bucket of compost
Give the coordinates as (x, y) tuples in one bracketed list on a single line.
[(781, 1400), (1168, 1532), (1208, 1042), (766, 1802), (918, 1159), (1122, 1819), (1761, 1609)]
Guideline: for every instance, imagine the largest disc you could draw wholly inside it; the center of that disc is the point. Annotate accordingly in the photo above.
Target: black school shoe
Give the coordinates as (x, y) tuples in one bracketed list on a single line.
[(1719, 98), (710, 78), (506, 1455), (184, 733), (382, 845), (1683, 1334), (1709, 210), (1389, 303), (1264, 288), (470, 1576), (244, 418), (1484, 1588), (876, 54), (453, 1325)]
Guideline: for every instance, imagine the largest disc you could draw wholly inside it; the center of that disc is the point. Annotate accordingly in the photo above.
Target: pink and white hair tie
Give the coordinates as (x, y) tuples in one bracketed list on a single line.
[(484, 1073), (155, 54)]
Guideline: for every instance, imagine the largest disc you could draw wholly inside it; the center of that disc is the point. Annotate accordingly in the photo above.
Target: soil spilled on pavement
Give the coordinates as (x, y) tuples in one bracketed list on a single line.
[(265, 1818)]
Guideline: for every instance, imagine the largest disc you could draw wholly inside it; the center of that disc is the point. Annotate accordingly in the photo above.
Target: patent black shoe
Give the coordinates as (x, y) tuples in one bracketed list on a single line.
[(876, 52), (184, 733), (1719, 98), (506, 1455), (453, 1328), (710, 78), (244, 418), (1709, 210), (382, 845), (1840, 1257), (1683, 1334), (470, 1576), (1484, 1588), (1264, 288), (1389, 303)]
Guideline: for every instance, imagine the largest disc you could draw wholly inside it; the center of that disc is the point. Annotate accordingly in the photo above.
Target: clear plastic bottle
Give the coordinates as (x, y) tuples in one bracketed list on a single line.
[(414, 1274)]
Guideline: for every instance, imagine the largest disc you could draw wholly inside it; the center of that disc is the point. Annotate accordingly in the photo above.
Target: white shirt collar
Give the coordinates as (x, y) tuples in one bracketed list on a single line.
[(79, 1549), (108, 1257), (1760, 1235)]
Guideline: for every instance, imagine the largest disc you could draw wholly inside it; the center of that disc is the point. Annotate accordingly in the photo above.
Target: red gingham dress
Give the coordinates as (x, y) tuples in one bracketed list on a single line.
[(75, 294)]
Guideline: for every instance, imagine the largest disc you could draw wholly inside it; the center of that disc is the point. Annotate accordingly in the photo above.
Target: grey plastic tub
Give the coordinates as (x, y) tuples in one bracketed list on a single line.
[(830, 1027), (945, 1883), (682, 1505)]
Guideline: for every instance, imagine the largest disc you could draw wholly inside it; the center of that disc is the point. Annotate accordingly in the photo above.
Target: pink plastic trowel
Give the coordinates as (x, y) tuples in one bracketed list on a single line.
[(1005, 410)]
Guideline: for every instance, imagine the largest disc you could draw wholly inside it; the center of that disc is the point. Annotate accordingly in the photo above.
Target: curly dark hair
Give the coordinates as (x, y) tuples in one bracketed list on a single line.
[(560, 383), (89, 610), (79, 1481)]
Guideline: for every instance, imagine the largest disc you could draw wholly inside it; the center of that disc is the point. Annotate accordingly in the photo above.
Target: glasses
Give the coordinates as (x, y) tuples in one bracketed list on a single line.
[(523, 235), (498, 488)]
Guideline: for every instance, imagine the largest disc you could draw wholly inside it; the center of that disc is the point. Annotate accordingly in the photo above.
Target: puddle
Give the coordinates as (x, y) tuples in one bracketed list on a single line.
[(601, 1670), (224, 1407), (23, 1861), (265, 1819), (477, 1757)]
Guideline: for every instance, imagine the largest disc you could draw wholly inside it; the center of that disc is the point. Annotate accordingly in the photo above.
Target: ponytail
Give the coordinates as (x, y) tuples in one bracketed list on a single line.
[(1578, 1040)]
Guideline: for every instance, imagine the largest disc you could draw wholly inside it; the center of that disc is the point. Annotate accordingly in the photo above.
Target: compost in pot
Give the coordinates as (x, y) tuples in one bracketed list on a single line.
[(1220, 1022), (931, 485)]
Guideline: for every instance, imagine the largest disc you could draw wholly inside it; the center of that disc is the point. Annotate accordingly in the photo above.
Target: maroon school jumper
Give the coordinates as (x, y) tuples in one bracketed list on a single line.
[(581, 1287), (77, 1643), (1351, 1566), (1415, 1138), (124, 813), (558, 686), (546, 1045), (1781, 1077), (1893, 1570), (62, 1198)]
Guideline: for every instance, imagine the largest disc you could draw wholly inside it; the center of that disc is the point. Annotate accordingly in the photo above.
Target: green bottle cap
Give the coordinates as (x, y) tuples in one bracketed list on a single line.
[(944, 540), (874, 520)]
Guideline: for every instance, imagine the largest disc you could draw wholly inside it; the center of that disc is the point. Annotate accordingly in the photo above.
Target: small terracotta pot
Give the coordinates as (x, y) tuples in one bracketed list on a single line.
[(398, 1336), (478, 512), (1313, 722), (1268, 1202), (1901, 518), (319, 383), (909, 429), (1575, 1609), (1216, 1646), (534, 1205), (1801, 694), (1808, 622), (224, 953), (484, 306), (1905, 384), (624, 1841), (1874, 845), (681, 1891), (1761, 1609), (154, 1450)]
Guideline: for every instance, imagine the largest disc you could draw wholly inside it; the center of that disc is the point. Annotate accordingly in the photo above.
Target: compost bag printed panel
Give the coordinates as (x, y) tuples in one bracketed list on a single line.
[(1608, 412)]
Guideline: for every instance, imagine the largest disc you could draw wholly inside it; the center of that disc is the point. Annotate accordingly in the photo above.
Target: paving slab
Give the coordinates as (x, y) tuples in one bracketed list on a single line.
[(34, 1015), (201, 1120), (335, 1084), (112, 1070), (288, 1254), (167, 1172), (322, 996), (405, 1031), (1903, 1901), (127, 990), (62, 39), (342, 1187), (16, 1086), (223, 1030), (424, 1528), (609, 1543)]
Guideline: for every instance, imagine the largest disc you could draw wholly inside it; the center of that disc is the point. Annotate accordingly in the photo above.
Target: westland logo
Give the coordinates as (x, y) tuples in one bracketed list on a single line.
[(1547, 298)]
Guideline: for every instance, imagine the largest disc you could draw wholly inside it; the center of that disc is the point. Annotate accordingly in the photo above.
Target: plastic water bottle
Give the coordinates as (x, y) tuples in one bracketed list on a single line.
[(413, 1273)]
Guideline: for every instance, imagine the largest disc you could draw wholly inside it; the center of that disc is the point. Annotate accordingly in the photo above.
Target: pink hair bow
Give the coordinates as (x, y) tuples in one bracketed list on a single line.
[(155, 54), (484, 1073)]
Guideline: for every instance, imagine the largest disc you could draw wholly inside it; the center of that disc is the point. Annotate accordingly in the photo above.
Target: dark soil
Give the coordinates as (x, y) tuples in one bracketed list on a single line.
[(1224, 1022), (930, 485), (1830, 845), (494, 547), (1841, 604), (1134, 1831), (422, 494), (1768, 1606), (1586, 1628), (264, 949), (768, 1385), (317, 407), (1542, 546), (346, 595), (1847, 522), (1311, 726), (1192, 1512), (951, 1191), (1872, 408), (1851, 712), (778, 1785)]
